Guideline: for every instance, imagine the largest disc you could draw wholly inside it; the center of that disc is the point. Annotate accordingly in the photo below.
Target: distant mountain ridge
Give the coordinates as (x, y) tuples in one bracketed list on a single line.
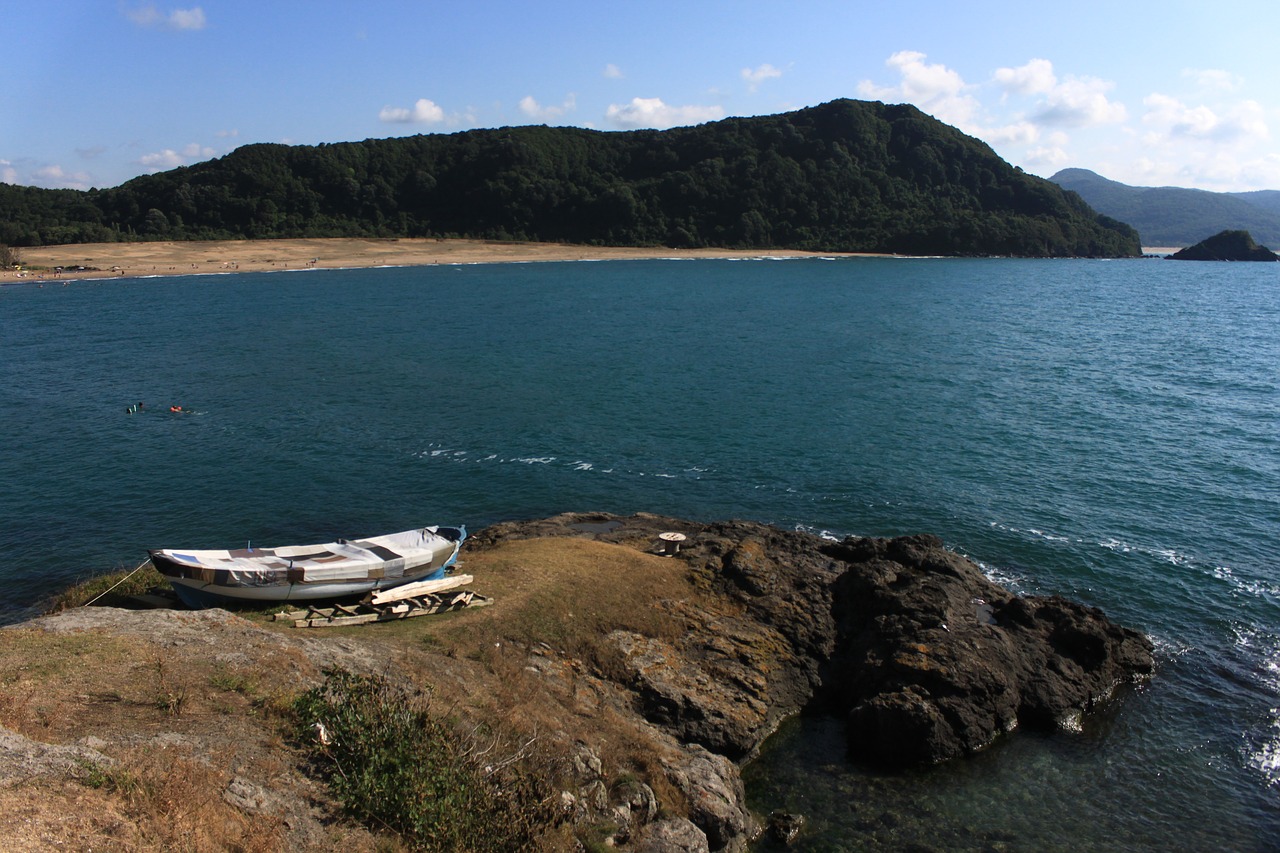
[(853, 176), (1174, 216)]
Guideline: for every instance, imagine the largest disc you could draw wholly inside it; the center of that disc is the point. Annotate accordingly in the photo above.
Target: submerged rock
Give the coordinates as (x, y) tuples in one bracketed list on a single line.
[(784, 827)]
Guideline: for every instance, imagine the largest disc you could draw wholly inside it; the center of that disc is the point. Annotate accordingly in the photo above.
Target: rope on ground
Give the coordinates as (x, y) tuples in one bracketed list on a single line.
[(117, 583)]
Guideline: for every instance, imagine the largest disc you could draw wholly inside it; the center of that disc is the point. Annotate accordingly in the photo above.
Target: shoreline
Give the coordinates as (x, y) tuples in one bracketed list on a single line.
[(145, 260)]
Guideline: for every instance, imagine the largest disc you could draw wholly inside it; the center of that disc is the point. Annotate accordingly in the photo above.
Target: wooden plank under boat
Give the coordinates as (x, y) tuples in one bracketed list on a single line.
[(333, 570)]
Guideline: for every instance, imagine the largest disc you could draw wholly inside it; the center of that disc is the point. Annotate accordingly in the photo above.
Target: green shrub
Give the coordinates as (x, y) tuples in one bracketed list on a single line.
[(395, 766), (112, 589)]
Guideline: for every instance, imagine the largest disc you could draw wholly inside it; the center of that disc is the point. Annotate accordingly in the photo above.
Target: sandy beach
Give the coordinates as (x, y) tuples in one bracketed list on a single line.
[(131, 260)]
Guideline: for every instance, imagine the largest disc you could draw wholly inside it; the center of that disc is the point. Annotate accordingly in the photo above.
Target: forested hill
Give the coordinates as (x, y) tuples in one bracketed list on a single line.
[(1174, 216), (843, 176)]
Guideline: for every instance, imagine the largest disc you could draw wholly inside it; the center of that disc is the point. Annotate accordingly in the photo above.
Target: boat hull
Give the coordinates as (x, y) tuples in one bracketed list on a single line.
[(309, 573)]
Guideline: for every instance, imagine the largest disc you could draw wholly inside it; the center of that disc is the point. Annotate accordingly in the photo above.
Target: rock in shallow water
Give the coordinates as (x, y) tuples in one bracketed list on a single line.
[(936, 661)]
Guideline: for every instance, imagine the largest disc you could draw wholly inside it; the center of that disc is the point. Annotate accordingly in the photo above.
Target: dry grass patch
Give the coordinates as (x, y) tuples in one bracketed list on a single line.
[(567, 593), (54, 682), (175, 802)]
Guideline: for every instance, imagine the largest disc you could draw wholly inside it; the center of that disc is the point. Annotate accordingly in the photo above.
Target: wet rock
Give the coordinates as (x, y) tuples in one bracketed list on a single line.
[(784, 827), (936, 661)]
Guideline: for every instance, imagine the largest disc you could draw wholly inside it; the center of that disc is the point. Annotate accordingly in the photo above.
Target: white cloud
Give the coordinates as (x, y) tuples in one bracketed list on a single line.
[(756, 76), (1017, 133), (1213, 79), (177, 19), (227, 134), (1080, 102), (936, 89), (55, 177), (1034, 78), (613, 72), (1049, 157), (1202, 134), (187, 19), (1208, 169), (918, 79), (536, 111), (652, 112), (8, 174), (161, 161), (1242, 121), (424, 111)]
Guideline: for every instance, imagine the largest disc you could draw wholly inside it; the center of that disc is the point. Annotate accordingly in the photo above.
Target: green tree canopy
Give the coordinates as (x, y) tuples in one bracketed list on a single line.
[(843, 176)]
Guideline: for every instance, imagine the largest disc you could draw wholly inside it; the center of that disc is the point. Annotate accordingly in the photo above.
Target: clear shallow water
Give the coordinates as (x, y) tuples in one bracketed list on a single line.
[(1105, 430)]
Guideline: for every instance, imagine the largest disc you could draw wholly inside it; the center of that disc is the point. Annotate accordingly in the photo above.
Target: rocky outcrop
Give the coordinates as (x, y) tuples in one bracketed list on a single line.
[(1226, 246), (936, 661), (927, 658)]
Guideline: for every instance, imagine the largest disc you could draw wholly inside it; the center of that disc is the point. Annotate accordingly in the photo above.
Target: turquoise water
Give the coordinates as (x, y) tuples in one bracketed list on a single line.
[(1105, 430)]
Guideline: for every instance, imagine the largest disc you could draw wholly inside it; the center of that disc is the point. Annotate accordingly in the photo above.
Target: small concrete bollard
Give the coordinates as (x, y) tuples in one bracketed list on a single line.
[(671, 543)]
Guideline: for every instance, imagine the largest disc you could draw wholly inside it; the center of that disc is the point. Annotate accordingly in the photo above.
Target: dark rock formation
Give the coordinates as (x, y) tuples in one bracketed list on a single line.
[(784, 827), (936, 661), (928, 659), (1226, 246)]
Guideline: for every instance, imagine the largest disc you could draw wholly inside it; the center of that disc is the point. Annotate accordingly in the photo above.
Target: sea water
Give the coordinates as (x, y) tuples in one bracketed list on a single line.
[(1109, 431)]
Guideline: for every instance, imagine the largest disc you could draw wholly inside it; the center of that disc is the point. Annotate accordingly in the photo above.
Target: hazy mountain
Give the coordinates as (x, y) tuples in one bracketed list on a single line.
[(1173, 216)]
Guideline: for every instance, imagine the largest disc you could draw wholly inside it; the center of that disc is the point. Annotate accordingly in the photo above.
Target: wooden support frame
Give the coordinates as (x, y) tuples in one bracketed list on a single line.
[(406, 607)]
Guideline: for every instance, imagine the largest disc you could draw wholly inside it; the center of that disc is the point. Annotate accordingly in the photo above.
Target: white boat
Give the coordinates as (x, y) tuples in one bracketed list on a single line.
[(342, 569)]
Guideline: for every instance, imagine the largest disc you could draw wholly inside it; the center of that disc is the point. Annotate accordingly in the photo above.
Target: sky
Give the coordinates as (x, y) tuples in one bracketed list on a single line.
[(1171, 93)]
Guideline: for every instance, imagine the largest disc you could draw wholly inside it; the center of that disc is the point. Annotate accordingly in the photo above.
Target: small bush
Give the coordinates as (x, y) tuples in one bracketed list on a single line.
[(395, 766)]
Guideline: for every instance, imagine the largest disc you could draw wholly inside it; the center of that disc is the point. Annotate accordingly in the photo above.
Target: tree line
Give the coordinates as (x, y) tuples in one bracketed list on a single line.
[(844, 176)]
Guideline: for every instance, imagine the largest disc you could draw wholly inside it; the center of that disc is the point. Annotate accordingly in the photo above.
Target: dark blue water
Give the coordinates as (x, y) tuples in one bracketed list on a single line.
[(1105, 430)]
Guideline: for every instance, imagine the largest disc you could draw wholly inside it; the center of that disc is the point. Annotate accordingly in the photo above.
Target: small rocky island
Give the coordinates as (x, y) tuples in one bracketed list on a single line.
[(1226, 246), (629, 680)]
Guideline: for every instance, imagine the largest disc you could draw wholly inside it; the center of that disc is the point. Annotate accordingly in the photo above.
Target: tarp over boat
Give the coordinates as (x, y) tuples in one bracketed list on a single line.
[(329, 569)]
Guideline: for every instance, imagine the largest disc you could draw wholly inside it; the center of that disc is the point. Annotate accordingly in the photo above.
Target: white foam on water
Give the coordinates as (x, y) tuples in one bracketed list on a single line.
[(1266, 758), (1115, 545), (1164, 554), (1170, 648), (1262, 746), (1001, 576), (1247, 586), (821, 533)]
